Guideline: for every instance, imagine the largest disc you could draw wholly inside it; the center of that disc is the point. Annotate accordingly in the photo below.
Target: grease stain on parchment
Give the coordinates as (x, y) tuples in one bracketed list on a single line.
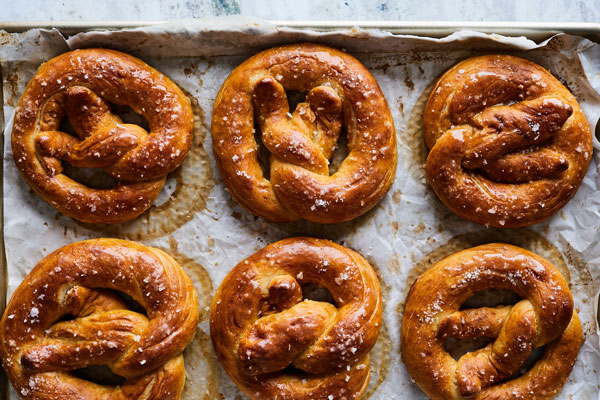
[(199, 276), (394, 264), (380, 355), (11, 77), (202, 382), (380, 358), (202, 376), (190, 68), (415, 149), (331, 232), (582, 279), (414, 138), (193, 181)]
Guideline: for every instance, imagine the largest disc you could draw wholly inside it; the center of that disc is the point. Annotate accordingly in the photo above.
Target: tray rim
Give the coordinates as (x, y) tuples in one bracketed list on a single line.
[(419, 28)]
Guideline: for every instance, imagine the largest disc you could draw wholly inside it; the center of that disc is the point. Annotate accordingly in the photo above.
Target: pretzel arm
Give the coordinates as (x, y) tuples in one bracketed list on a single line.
[(285, 139), (97, 339), (525, 167), (508, 128), (484, 367), (473, 323)]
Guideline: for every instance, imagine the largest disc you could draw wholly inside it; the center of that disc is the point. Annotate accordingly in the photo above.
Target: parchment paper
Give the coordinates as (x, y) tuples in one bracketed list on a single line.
[(196, 220)]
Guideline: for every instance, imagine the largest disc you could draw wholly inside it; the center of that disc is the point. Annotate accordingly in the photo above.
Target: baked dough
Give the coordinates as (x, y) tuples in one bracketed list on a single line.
[(340, 93), (509, 143), (66, 315), (79, 85), (545, 317), (275, 345)]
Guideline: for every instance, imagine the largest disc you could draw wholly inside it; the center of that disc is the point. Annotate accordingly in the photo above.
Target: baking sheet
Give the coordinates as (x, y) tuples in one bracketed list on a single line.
[(208, 233)]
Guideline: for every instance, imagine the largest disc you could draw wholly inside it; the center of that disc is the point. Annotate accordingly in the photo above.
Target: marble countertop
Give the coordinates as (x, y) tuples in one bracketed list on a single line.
[(403, 10)]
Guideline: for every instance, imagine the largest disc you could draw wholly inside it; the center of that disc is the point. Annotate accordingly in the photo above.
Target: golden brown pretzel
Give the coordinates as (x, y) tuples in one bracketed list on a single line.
[(545, 316), (509, 143), (39, 348), (262, 330), (340, 91), (78, 85)]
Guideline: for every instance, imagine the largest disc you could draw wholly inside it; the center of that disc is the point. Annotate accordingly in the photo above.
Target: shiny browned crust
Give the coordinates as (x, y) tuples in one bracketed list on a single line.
[(341, 91), (38, 352), (544, 317), (509, 143), (79, 83), (260, 325)]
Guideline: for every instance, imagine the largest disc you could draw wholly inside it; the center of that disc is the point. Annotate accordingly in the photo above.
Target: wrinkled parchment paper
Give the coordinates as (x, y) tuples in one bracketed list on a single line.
[(196, 220)]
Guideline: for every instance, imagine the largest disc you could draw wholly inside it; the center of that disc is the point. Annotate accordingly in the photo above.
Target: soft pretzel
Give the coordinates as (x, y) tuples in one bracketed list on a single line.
[(79, 85), (275, 345), (509, 143), (545, 316), (40, 348), (340, 92)]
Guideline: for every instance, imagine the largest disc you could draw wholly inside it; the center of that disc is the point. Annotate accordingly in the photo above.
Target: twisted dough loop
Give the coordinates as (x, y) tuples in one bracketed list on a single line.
[(78, 85), (509, 143), (340, 91), (545, 317), (260, 326), (39, 350)]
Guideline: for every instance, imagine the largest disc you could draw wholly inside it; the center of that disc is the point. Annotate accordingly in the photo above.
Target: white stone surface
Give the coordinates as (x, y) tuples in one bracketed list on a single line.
[(443, 10)]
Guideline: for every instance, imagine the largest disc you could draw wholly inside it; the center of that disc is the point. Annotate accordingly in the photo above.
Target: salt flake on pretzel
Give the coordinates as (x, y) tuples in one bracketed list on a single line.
[(509, 143), (340, 93), (79, 85), (544, 317), (273, 344)]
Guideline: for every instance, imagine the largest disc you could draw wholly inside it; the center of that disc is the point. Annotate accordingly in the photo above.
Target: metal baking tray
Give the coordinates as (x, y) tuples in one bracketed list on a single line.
[(536, 31)]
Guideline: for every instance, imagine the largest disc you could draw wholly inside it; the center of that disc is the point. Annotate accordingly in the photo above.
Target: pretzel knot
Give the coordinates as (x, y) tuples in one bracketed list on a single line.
[(340, 93), (79, 85), (545, 317), (275, 345), (509, 143), (66, 316)]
